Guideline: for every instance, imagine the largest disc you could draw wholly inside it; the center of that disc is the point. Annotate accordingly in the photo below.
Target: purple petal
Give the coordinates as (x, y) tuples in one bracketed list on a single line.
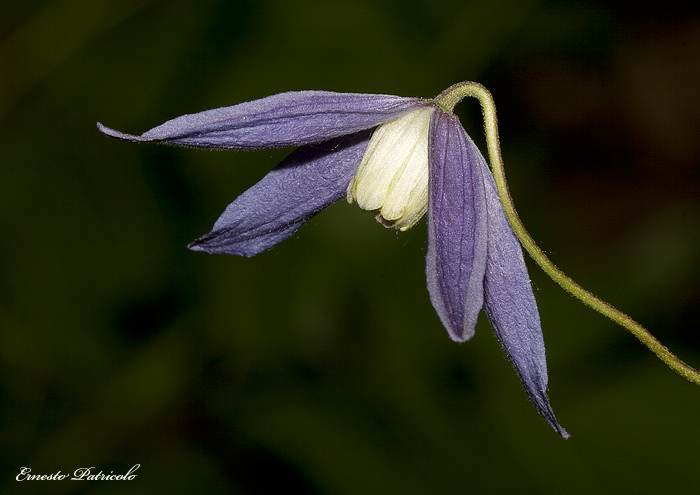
[(456, 258), (286, 119), (510, 304), (308, 180)]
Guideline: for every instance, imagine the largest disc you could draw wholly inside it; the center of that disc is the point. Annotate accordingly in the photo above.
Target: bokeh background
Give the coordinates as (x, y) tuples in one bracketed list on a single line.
[(320, 367)]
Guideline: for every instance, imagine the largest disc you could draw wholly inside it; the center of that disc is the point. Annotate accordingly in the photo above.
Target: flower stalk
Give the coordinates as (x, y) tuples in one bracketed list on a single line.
[(447, 101)]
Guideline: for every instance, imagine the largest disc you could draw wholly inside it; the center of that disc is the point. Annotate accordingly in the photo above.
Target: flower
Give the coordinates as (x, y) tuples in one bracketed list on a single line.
[(402, 158)]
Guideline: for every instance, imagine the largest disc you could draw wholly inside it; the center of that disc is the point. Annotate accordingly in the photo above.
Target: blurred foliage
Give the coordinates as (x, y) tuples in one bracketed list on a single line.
[(320, 366)]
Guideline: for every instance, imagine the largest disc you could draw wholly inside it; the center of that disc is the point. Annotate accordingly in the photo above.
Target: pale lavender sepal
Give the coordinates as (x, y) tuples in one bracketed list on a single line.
[(286, 119), (457, 245), (309, 179), (510, 304)]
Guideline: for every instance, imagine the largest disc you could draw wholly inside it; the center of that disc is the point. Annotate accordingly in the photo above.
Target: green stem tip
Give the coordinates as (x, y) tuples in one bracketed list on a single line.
[(447, 101)]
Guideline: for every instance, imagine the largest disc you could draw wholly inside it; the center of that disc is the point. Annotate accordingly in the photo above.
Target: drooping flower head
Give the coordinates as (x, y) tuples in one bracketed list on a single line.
[(402, 158)]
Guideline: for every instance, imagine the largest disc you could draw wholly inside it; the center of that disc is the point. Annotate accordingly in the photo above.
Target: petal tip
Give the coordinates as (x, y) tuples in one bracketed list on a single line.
[(196, 245), (217, 242), (107, 131), (559, 429), (541, 402), (205, 244)]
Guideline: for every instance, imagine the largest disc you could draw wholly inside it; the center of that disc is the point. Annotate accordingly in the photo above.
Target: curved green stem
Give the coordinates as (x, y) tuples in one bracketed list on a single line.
[(447, 101)]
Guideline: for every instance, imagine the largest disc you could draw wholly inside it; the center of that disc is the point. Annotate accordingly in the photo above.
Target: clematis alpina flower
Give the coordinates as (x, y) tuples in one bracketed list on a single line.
[(401, 158)]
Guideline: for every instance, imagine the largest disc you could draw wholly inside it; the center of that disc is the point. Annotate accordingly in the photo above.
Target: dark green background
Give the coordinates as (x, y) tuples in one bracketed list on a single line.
[(320, 366)]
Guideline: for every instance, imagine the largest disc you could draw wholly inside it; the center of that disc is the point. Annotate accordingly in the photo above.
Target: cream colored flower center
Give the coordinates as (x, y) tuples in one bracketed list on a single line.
[(393, 176)]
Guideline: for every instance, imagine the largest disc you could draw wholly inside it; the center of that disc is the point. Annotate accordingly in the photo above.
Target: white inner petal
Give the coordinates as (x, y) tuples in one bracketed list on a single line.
[(393, 175)]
